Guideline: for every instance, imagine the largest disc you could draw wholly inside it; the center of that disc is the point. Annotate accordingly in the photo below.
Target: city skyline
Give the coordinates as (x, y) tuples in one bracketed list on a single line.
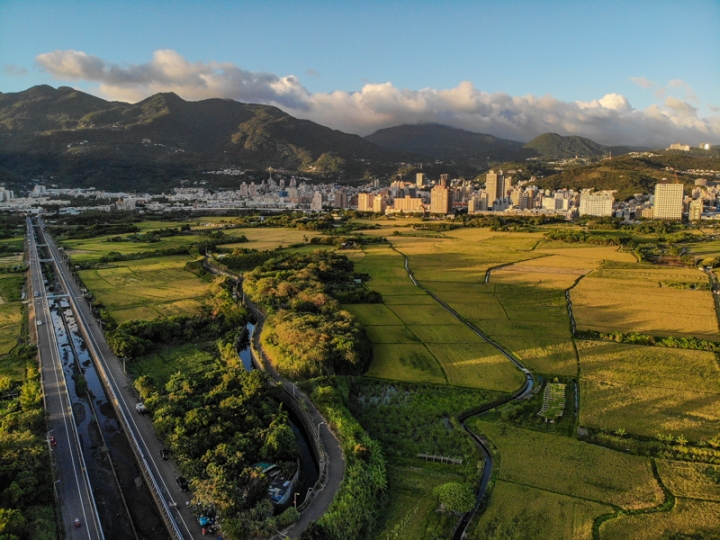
[(641, 73)]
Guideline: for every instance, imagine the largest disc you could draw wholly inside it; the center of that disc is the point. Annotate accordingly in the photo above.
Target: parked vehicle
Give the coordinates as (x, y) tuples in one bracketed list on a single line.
[(182, 483), (141, 408)]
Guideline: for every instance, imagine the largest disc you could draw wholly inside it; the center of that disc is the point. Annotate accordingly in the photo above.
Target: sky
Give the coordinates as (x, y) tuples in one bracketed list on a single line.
[(619, 72)]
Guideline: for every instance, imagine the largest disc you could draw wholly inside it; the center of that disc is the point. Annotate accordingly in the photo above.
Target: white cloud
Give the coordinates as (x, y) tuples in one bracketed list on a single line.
[(642, 82), (609, 119)]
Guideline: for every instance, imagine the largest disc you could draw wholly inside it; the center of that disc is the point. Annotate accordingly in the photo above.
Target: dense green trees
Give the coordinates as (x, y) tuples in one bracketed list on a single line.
[(307, 332), (26, 495)]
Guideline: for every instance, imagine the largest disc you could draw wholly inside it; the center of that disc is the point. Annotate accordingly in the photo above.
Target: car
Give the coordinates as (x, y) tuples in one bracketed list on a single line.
[(39, 323), (182, 483), (52, 441), (37, 294), (164, 453), (141, 408)]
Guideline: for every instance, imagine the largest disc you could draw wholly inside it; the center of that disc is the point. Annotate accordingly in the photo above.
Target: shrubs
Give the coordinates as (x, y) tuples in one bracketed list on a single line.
[(636, 338), (455, 497), (305, 328)]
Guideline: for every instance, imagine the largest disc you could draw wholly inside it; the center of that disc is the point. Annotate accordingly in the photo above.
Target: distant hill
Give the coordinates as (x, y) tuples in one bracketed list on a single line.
[(554, 146), (73, 135), (439, 142)]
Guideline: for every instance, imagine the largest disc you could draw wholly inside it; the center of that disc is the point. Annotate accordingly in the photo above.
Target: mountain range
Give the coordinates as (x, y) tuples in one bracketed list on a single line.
[(83, 140)]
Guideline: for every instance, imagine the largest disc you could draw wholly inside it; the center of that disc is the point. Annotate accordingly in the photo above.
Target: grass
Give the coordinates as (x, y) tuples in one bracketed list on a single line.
[(264, 238), (633, 300), (410, 513), (146, 288), (570, 467), (519, 511), (405, 362), (646, 390), (190, 359), (693, 518), (89, 250), (691, 480), (10, 312)]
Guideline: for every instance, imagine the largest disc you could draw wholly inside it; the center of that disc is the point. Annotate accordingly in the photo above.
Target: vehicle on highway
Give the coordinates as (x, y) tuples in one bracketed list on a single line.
[(141, 408), (165, 453), (182, 483), (37, 294), (77, 523), (39, 323), (52, 440)]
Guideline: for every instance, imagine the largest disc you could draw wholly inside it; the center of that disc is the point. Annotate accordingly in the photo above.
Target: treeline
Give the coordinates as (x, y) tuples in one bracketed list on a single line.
[(636, 338), (307, 332), (575, 236), (135, 338), (217, 425), (509, 223), (360, 503), (26, 484), (62, 232)]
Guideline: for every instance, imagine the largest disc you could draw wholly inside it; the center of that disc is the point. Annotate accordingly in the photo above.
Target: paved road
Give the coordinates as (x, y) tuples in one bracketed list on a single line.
[(73, 485), (141, 431)]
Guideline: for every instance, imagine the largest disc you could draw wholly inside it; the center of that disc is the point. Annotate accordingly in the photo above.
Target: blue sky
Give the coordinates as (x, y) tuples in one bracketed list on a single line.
[(341, 52)]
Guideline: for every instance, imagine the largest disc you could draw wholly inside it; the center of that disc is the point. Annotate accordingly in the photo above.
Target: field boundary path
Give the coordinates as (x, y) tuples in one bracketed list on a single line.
[(525, 391), (331, 459)]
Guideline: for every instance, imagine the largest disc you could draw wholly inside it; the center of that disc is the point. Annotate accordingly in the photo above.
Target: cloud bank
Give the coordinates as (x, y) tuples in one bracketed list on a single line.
[(608, 120)]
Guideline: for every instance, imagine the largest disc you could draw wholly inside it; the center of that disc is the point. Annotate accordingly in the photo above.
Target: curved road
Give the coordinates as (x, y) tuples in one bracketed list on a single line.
[(524, 391)]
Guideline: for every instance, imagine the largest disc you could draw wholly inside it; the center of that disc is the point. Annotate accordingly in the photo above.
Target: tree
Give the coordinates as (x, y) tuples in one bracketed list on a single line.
[(455, 497)]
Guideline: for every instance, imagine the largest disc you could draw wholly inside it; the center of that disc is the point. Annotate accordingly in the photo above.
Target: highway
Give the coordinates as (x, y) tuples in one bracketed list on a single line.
[(159, 474), (72, 486)]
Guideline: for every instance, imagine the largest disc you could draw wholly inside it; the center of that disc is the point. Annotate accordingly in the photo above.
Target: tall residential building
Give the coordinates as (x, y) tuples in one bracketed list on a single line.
[(494, 186), (440, 200), (317, 202), (596, 204), (420, 179), (340, 199), (444, 180), (668, 201), (365, 202), (696, 210), (408, 205), (478, 203), (379, 204)]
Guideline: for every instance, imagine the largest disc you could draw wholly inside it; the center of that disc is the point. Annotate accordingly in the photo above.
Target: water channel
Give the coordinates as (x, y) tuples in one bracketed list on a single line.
[(126, 508), (309, 468)]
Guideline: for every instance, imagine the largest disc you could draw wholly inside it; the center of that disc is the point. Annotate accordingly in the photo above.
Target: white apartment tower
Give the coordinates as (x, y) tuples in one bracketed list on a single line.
[(596, 204), (668, 201)]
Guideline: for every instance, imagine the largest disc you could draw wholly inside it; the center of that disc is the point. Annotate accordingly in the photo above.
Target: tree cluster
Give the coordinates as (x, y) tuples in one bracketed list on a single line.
[(305, 328)]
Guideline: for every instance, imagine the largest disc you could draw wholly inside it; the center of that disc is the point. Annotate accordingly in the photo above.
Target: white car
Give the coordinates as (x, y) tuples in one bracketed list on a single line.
[(39, 323)]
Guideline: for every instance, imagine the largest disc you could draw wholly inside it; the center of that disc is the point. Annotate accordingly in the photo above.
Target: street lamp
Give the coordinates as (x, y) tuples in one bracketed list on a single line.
[(295, 500), (318, 430)]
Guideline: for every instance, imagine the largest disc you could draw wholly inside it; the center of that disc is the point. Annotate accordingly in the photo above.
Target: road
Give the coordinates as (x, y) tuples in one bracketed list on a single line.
[(73, 489), (173, 502)]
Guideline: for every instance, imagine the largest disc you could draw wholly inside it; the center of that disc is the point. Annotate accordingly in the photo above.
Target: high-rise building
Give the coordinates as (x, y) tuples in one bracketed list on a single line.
[(340, 200), (596, 204), (695, 210), (494, 186), (317, 202), (420, 180), (408, 205), (379, 204), (365, 202), (440, 200), (444, 180), (668, 201), (478, 203)]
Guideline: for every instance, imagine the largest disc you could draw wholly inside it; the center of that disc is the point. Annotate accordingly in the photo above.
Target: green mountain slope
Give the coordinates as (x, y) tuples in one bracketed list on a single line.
[(72, 135), (445, 143), (554, 146)]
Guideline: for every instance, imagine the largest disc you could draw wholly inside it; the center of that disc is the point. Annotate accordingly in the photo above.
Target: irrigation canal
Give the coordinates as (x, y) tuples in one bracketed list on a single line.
[(309, 468), (524, 392)]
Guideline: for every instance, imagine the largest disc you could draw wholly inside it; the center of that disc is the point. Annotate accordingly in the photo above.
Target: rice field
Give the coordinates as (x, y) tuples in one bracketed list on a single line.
[(691, 480), (649, 390), (570, 467), (415, 339), (146, 288), (520, 511), (688, 519), (639, 300), (10, 311), (86, 250), (265, 238)]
